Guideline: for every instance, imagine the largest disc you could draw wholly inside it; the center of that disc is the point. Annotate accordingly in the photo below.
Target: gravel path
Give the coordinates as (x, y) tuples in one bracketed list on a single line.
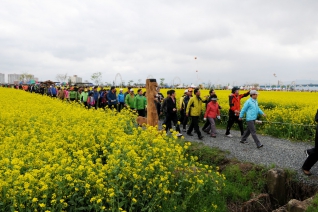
[(279, 152)]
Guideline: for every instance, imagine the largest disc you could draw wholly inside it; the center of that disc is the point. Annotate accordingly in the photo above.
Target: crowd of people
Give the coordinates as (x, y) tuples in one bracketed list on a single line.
[(186, 112)]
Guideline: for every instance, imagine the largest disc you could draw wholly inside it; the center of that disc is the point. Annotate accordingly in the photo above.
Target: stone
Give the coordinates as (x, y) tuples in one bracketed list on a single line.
[(295, 206), (298, 206), (276, 185)]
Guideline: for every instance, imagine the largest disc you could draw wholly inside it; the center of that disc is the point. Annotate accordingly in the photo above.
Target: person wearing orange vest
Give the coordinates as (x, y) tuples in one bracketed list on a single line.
[(234, 112)]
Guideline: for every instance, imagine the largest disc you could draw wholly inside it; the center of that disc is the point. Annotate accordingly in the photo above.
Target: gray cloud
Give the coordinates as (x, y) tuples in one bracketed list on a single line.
[(234, 41)]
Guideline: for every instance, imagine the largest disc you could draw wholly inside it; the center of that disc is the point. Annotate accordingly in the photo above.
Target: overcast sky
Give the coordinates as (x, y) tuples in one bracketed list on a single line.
[(235, 42)]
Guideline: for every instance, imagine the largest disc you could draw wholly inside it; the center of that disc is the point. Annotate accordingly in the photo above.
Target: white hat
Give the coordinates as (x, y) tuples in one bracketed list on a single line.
[(252, 92), (186, 91), (131, 89), (121, 89)]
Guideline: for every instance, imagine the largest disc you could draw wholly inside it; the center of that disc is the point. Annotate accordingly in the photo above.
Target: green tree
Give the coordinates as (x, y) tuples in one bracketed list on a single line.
[(61, 77), (25, 76), (130, 82), (97, 78), (162, 81)]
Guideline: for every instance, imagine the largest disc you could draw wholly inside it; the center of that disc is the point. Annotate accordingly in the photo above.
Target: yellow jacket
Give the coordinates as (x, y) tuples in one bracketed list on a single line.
[(181, 103), (196, 106)]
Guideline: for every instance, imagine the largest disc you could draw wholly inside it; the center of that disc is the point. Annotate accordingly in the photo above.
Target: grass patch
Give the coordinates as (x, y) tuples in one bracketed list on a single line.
[(314, 205), (243, 180)]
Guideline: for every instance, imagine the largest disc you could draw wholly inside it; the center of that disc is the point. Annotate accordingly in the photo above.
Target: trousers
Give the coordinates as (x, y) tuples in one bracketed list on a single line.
[(313, 154), (194, 125), (251, 130), (232, 119)]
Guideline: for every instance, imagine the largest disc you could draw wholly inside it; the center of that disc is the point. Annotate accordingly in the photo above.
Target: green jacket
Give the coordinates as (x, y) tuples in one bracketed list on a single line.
[(84, 95), (73, 94), (196, 106), (130, 100), (140, 102)]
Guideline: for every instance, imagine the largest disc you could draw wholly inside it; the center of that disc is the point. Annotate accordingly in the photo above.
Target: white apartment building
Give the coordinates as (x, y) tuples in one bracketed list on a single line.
[(14, 78), (1, 78), (75, 79)]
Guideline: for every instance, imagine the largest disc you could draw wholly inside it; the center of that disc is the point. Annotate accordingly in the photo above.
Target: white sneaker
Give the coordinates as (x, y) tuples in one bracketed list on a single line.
[(229, 135), (179, 134)]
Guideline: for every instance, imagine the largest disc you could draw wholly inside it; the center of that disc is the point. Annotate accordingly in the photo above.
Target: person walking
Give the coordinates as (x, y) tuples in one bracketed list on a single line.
[(163, 108), (130, 99), (73, 95), (102, 98), (60, 93), (140, 103), (84, 96), (311, 154), (159, 99), (127, 92), (121, 100), (172, 113), (186, 100), (52, 91), (234, 111), (193, 110), (91, 100), (207, 100), (111, 98), (251, 110), (181, 106), (96, 96), (212, 112)]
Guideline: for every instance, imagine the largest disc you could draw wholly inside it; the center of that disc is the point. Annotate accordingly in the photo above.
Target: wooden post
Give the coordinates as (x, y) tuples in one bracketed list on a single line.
[(151, 92)]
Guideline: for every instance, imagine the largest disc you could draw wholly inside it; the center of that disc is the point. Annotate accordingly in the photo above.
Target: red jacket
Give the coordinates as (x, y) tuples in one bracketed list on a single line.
[(212, 110), (235, 101)]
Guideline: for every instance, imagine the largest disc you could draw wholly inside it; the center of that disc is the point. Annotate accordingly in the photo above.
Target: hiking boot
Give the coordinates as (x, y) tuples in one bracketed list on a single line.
[(179, 134), (213, 136), (308, 173), (243, 142), (189, 134), (260, 146), (201, 137), (229, 136)]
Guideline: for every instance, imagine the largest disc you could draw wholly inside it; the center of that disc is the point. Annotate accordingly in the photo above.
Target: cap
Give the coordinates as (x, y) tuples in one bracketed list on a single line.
[(121, 89), (252, 92), (186, 91), (131, 89)]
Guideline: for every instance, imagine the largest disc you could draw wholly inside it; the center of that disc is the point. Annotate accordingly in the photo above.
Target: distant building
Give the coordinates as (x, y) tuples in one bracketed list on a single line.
[(74, 79), (14, 78), (2, 78)]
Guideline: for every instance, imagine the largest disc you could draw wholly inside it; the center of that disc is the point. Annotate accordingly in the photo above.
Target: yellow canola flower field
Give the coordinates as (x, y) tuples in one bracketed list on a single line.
[(289, 114), (59, 156)]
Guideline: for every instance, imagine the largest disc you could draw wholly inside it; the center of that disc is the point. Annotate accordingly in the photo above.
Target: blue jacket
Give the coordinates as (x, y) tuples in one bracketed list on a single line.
[(53, 91), (96, 95), (111, 97), (251, 109), (121, 97)]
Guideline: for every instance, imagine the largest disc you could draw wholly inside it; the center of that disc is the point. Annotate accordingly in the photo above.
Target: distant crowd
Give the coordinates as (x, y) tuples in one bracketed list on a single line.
[(186, 112)]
